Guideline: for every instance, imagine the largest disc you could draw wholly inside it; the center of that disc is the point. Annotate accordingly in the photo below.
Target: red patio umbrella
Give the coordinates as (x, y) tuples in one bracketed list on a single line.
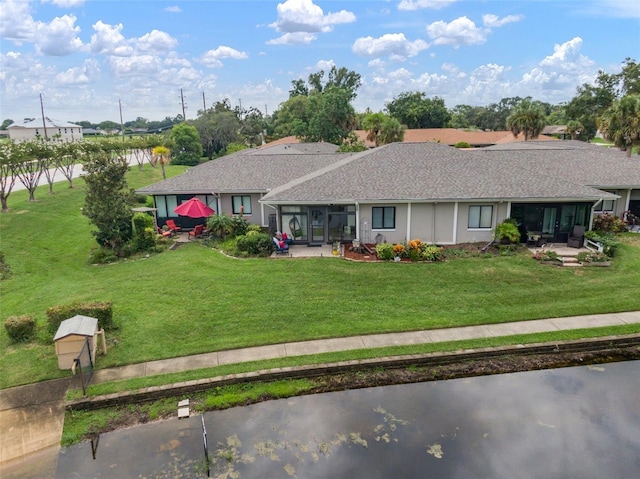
[(194, 208)]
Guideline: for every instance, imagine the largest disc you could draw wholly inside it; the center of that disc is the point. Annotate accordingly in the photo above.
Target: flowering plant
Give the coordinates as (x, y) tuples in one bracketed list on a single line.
[(592, 257), (545, 255), (398, 249)]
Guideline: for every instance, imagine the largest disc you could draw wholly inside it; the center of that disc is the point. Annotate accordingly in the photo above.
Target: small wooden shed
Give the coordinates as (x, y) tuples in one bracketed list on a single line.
[(71, 336)]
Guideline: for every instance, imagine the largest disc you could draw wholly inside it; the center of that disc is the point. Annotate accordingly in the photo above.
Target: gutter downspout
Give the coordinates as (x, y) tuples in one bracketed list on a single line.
[(593, 207)]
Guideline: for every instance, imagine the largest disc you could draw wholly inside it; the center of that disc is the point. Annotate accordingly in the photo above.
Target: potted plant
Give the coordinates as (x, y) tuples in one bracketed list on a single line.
[(507, 232)]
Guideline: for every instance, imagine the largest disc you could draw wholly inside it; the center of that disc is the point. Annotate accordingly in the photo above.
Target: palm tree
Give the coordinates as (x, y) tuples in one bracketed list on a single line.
[(620, 123), (161, 155), (391, 131), (574, 128), (527, 118), (372, 124)]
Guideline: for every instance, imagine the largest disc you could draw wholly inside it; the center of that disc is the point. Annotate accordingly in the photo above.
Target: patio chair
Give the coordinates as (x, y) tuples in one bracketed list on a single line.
[(576, 238), (281, 246), (196, 232), (173, 227)]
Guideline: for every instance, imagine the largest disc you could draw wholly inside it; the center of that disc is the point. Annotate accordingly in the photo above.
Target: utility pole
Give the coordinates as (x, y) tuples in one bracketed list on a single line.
[(204, 104), (266, 114), (44, 120), (121, 124), (184, 115)]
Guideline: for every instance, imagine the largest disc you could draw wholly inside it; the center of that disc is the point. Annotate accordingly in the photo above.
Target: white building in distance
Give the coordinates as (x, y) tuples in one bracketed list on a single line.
[(34, 128)]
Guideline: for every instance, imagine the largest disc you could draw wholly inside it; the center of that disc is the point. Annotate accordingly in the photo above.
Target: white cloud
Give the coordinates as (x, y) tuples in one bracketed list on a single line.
[(324, 65), (173, 9), (212, 57), (87, 73), (613, 8), (66, 3), (420, 4), (59, 37), (136, 65), (301, 20), (394, 45), (109, 41), (493, 21), (293, 39), (567, 56), (460, 31), (156, 41), (16, 22)]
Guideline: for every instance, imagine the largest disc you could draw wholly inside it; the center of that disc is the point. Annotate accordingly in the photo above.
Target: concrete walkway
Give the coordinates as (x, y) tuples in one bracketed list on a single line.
[(319, 346), (31, 417)]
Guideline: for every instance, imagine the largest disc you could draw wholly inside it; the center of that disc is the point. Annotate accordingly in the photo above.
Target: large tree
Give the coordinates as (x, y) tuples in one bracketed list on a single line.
[(186, 148), (331, 116), (108, 200), (620, 123), (527, 118), (218, 127), (415, 110)]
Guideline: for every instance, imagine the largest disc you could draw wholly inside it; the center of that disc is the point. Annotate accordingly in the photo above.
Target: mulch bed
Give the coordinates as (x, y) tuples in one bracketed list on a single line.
[(466, 249)]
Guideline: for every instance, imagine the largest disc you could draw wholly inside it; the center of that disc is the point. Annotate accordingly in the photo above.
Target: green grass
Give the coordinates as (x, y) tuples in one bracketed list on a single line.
[(194, 299), (361, 354), (79, 425)]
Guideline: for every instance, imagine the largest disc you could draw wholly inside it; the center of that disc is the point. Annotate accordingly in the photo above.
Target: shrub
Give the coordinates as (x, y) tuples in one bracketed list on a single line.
[(545, 255), (20, 328), (462, 144), (432, 253), (102, 256), (384, 251), (220, 225), (238, 226), (592, 257), (144, 235), (507, 231), (5, 270), (255, 244), (103, 311), (606, 239), (608, 223), (414, 249), (398, 250)]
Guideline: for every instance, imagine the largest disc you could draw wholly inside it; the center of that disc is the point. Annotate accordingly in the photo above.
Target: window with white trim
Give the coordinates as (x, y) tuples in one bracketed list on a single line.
[(383, 217), (241, 204), (480, 217)]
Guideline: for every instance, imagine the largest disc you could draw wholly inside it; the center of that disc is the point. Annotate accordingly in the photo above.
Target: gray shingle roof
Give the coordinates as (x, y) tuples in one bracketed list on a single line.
[(258, 170), (567, 170), (429, 172), (79, 324)]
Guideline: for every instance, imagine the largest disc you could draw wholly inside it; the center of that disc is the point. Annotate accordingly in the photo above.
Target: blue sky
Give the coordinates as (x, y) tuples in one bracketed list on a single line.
[(86, 56)]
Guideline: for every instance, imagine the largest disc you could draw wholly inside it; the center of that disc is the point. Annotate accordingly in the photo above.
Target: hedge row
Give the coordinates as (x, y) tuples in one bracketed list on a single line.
[(103, 311)]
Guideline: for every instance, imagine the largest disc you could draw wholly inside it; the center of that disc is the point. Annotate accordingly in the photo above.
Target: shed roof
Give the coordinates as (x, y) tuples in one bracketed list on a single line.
[(38, 123), (78, 325)]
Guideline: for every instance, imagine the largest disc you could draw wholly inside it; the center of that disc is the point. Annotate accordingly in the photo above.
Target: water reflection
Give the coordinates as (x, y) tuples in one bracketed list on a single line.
[(572, 423)]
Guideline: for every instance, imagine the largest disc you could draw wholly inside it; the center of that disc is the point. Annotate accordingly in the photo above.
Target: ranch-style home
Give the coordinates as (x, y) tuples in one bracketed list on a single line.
[(403, 191), (33, 128)]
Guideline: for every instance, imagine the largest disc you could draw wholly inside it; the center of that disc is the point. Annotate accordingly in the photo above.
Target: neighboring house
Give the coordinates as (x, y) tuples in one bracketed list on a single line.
[(446, 136), (405, 191), (33, 128)]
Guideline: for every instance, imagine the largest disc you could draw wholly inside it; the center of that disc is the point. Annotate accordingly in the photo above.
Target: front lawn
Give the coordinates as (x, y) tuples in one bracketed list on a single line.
[(195, 299)]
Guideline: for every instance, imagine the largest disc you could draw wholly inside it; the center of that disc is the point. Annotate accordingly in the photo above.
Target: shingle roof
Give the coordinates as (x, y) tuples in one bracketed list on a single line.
[(567, 170), (430, 172), (80, 325), (256, 170)]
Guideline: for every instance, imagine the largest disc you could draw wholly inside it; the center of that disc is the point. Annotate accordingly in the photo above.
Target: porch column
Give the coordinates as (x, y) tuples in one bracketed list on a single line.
[(408, 238), (455, 223)]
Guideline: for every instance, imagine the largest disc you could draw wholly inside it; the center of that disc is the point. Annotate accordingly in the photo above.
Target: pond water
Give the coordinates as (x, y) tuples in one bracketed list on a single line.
[(581, 422)]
